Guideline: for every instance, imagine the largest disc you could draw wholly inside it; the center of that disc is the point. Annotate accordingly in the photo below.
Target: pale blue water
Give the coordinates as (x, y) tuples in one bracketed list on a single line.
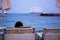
[(33, 20)]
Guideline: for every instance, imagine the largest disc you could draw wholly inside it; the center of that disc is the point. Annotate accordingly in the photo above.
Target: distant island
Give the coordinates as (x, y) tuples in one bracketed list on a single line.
[(50, 14)]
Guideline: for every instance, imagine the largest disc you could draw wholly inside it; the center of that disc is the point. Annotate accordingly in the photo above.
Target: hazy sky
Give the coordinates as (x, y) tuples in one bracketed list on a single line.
[(24, 6)]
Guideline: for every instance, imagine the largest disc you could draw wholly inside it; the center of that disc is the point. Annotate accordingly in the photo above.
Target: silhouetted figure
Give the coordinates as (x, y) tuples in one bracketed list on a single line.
[(18, 24)]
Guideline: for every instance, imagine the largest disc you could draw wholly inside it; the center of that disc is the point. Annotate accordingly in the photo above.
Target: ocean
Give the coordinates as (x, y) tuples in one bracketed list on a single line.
[(34, 20), (30, 19)]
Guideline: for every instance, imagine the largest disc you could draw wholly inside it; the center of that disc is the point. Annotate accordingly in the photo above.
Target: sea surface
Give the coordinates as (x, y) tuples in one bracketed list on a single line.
[(30, 19), (33, 20)]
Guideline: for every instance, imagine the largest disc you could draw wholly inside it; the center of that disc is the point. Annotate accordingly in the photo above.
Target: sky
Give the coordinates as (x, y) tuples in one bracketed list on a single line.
[(24, 6)]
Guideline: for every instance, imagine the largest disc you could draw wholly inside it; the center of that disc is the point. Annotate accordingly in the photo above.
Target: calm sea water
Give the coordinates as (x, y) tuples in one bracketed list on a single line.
[(33, 20)]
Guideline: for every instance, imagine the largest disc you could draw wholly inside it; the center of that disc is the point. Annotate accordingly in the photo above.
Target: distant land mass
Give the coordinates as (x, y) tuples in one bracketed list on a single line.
[(50, 14)]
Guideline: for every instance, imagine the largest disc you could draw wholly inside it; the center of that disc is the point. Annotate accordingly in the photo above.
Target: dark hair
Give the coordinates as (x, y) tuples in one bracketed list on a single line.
[(18, 24)]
